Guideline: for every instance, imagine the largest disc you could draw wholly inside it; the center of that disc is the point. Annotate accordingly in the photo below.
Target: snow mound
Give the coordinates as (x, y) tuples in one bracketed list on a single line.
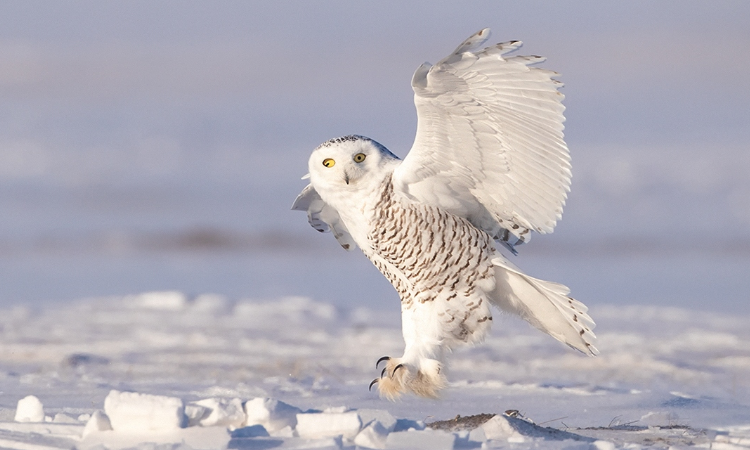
[(516, 430)]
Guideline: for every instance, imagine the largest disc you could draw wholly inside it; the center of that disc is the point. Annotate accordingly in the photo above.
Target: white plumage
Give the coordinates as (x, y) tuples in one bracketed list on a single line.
[(489, 164)]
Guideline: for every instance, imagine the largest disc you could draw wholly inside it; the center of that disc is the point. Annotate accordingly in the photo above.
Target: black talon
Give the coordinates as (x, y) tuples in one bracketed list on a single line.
[(384, 358), (395, 369), (372, 383), (382, 372)]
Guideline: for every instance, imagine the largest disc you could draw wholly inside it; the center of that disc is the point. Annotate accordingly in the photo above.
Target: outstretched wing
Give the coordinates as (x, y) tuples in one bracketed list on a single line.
[(322, 216), (489, 144)]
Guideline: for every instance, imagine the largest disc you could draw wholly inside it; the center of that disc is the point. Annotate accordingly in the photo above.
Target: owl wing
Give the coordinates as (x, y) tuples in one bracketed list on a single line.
[(489, 145), (322, 216)]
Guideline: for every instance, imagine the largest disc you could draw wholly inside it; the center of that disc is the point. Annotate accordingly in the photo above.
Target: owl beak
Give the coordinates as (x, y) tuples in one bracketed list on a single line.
[(346, 177)]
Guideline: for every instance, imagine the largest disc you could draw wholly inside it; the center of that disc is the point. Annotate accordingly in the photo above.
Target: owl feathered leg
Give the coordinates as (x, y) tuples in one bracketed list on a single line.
[(419, 371), (399, 377), (431, 328)]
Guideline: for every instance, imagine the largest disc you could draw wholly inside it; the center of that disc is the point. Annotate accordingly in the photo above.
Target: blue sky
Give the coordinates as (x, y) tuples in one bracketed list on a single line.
[(636, 72)]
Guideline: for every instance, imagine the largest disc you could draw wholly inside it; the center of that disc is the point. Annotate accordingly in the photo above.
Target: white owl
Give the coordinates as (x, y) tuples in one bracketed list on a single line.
[(488, 164)]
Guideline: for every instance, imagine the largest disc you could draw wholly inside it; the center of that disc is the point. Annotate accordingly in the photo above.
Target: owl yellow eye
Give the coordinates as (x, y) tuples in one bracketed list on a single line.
[(359, 157), (328, 162)]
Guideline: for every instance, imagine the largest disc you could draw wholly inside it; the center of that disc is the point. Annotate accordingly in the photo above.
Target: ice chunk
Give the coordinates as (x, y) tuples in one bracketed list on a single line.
[(195, 413), (373, 435), (98, 422), (223, 413), (320, 425), (132, 411), (29, 409), (273, 414), (384, 417), (421, 439)]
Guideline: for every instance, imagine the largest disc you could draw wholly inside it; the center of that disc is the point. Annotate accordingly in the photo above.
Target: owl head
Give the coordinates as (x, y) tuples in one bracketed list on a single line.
[(350, 163)]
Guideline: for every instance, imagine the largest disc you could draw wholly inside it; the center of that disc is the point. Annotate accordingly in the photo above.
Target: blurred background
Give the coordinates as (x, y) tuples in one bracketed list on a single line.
[(152, 145)]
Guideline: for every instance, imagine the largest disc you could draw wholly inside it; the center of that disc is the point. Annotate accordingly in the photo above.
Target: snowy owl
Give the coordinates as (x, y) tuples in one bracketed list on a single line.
[(488, 165)]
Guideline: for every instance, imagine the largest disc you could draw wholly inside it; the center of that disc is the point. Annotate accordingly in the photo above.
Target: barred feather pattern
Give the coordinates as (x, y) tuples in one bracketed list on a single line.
[(433, 257)]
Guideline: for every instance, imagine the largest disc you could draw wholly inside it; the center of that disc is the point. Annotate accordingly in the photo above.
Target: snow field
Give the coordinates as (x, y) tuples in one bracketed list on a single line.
[(131, 418), (207, 372), (134, 420)]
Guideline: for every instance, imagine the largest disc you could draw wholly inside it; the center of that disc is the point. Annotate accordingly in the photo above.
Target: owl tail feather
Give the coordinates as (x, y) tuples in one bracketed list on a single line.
[(545, 305)]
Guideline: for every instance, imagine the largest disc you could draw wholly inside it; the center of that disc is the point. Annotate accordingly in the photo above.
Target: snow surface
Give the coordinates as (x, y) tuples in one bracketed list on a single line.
[(164, 370)]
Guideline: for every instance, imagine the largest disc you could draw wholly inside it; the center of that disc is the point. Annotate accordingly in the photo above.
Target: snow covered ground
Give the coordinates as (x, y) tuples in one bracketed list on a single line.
[(162, 370)]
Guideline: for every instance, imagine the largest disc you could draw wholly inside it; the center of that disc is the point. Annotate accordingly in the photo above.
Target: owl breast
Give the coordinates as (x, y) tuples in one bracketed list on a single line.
[(430, 255)]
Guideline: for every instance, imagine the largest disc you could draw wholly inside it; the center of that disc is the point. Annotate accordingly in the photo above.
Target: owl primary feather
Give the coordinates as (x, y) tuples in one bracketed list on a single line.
[(488, 166)]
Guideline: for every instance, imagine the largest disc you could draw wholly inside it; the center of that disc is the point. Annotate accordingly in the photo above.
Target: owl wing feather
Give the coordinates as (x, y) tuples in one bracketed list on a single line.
[(545, 305), (489, 144), (322, 216)]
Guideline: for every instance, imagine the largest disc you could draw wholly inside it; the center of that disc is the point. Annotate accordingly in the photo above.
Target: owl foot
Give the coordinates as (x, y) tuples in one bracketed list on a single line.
[(399, 377)]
